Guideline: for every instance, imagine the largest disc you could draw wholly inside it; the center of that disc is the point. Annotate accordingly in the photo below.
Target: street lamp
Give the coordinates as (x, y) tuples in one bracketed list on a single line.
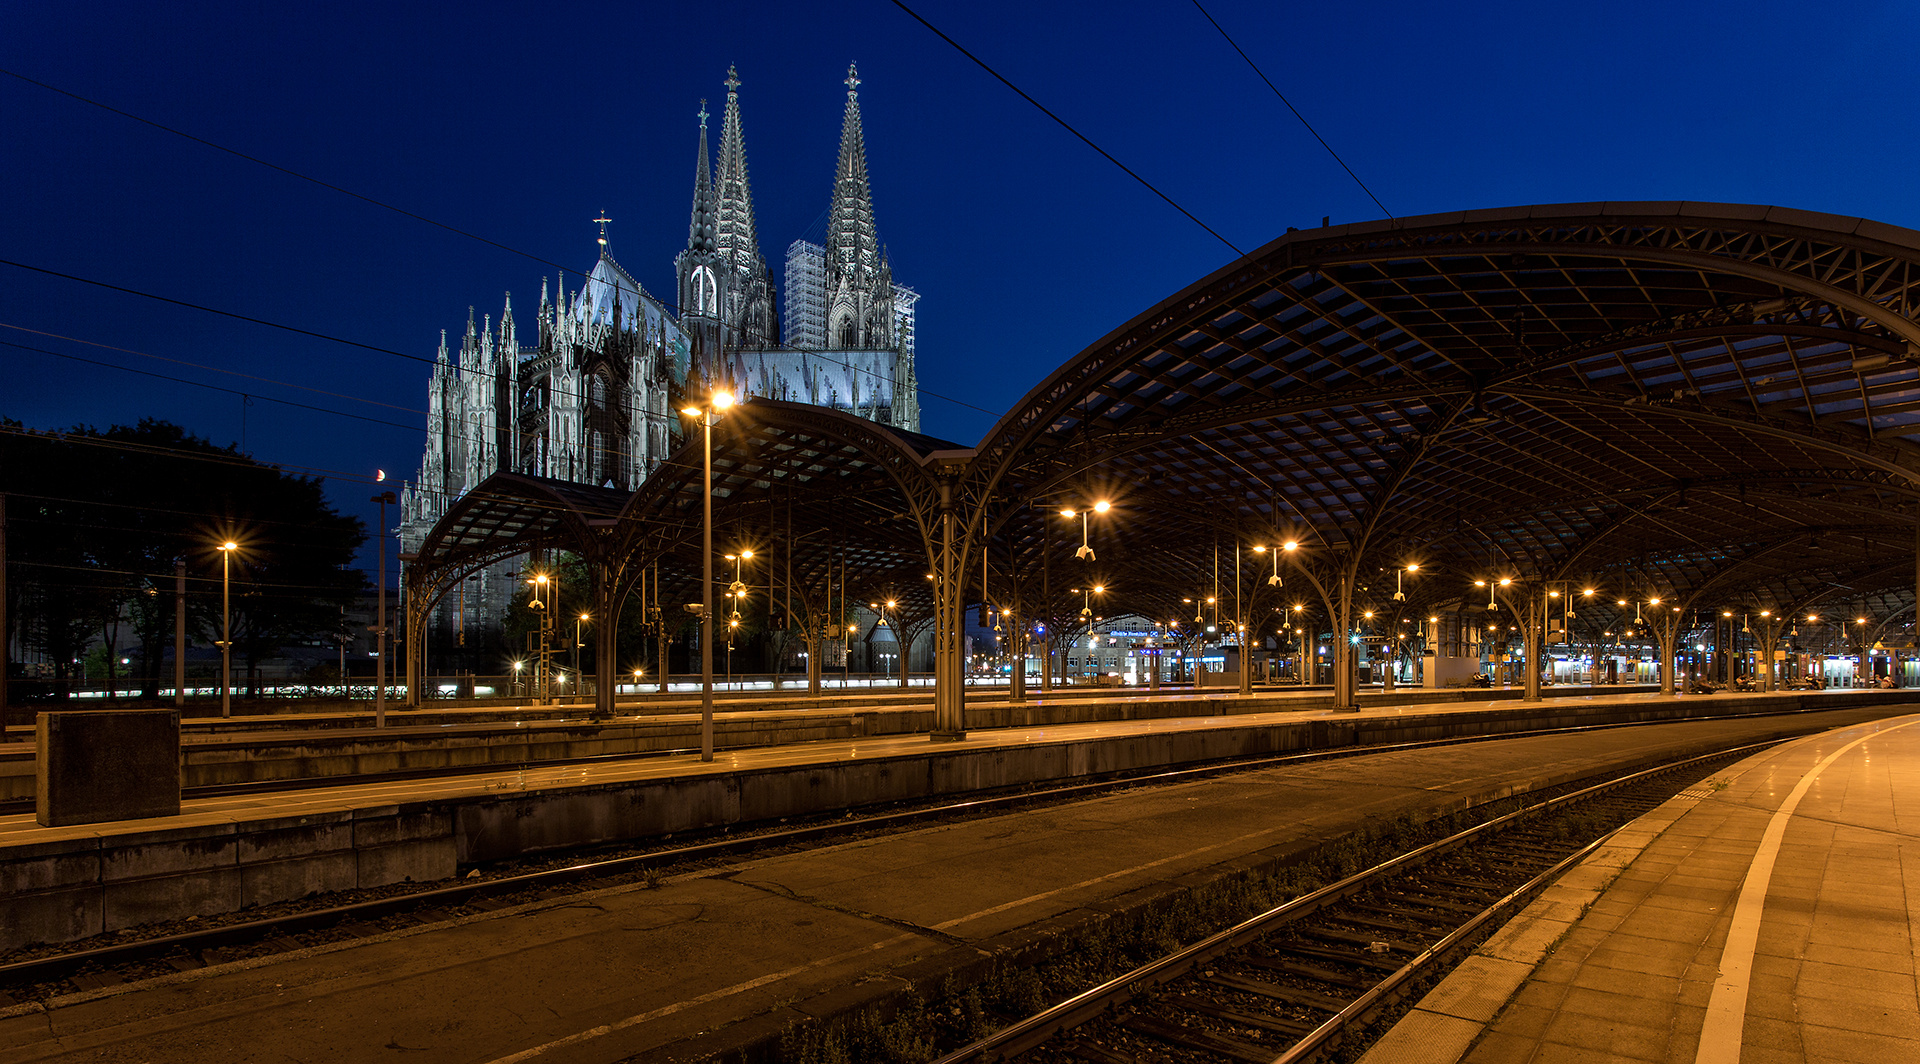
[(1274, 580), (577, 621), (226, 627), (717, 404), (542, 603), (1085, 553), (880, 611)]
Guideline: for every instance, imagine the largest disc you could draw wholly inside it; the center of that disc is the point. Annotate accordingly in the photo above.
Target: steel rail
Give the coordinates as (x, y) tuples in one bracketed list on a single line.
[(1380, 994), (1027, 1034), (44, 969), (61, 965)]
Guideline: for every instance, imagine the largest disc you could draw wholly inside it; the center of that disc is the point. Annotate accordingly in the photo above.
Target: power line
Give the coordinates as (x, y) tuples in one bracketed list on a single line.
[(218, 458), (1068, 127), (214, 310), (211, 369), (209, 387), (1295, 110), (638, 293)]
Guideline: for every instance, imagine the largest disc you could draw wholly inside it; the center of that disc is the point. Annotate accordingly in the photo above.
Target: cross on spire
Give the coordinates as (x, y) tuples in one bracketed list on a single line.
[(603, 220), (853, 79), (703, 113), (733, 82)]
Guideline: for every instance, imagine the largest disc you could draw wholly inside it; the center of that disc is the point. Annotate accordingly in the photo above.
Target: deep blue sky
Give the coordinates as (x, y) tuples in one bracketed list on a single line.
[(1025, 245)]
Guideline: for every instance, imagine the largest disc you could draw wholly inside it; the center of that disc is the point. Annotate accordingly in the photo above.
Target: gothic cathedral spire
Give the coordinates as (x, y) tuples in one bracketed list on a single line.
[(735, 238), (726, 295), (859, 284), (700, 228)]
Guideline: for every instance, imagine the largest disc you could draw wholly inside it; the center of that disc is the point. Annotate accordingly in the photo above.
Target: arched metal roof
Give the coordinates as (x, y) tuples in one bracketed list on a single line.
[(1670, 395), (1713, 403)]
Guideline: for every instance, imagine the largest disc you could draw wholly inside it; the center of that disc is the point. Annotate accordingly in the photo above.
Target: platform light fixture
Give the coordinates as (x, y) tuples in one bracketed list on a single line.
[(718, 403), (226, 619), (1085, 553)]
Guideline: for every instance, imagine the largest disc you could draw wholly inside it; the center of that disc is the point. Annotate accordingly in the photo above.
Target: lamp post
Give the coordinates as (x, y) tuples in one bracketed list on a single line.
[(542, 604), (880, 610), (226, 628), (717, 404), (577, 621), (1860, 656), (380, 621), (1087, 618), (736, 594), (1085, 553)]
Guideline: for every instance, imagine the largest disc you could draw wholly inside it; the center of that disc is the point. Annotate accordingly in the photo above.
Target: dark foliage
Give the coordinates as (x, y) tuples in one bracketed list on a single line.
[(97, 521)]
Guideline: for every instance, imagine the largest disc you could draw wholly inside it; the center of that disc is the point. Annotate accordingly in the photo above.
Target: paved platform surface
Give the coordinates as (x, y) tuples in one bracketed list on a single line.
[(730, 953), (1770, 917)]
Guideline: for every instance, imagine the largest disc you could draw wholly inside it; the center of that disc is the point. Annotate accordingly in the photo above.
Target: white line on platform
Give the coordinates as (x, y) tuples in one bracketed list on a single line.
[(1727, 1008)]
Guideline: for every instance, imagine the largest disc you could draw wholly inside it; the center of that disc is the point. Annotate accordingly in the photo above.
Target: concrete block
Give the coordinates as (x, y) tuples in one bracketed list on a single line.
[(263, 882), (52, 916), (294, 837), (396, 824), (176, 851), (130, 903), (49, 866), (112, 764), (421, 861)]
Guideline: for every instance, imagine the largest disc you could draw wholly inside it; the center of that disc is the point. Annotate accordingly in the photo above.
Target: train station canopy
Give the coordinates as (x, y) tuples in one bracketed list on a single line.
[(1711, 404)]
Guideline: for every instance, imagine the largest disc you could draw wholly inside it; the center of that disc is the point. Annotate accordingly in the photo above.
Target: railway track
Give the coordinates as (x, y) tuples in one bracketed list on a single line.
[(48, 972), (51, 971), (1311, 979)]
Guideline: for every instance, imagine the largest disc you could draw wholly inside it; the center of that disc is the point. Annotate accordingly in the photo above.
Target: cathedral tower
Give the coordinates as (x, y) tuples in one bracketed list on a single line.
[(859, 282), (726, 293)]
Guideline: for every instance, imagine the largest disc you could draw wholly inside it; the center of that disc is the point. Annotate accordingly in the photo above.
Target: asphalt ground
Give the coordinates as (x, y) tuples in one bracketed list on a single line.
[(732, 954)]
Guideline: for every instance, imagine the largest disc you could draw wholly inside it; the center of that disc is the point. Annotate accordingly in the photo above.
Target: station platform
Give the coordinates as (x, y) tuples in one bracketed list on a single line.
[(1770, 916), (332, 744), (728, 960), (223, 853)]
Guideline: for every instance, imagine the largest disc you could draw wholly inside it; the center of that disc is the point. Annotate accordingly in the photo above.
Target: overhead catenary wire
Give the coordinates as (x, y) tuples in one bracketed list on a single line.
[(542, 260), (1064, 124), (1296, 111), (212, 369), (209, 387)]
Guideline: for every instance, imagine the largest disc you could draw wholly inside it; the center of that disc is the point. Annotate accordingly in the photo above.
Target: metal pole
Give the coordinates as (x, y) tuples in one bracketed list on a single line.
[(1046, 598), (706, 595), (6, 644), (1240, 622), (226, 631), (380, 627), (180, 632)]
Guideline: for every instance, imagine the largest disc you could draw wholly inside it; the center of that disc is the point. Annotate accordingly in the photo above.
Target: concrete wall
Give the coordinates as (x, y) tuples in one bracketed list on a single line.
[(85, 884)]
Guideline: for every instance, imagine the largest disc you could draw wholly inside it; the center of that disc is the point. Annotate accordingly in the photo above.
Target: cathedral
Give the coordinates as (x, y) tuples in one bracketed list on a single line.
[(592, 399)]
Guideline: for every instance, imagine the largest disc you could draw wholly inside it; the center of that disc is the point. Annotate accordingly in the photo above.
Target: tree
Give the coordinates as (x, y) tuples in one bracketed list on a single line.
[(99, 519)]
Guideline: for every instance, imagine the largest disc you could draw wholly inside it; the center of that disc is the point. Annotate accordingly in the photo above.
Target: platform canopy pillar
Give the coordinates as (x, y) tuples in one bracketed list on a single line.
[(1345, 698), (1532, 642), (417, 608), (949, 672), (813, 658), (1015, 624), (606, 644)]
